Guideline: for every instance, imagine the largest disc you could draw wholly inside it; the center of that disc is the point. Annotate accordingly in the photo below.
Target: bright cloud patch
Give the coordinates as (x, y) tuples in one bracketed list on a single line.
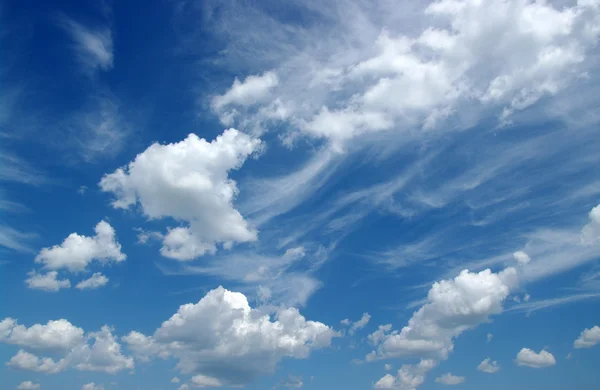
[(188, 181), (61, 338), (76, 252), (92, 386), (409, 376), (590, 234), (588, 338), (529, 358), (523, 52), (488, 366), (221, 338), (97, 280), (94, 48), (28, 385), (46, 282), (449, 379)]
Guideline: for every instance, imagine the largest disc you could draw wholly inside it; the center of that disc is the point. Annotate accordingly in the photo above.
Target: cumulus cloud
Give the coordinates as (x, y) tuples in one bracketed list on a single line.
[(590, 234), (364, 320), (488, 366), (588, 338), (92, 386), (221, 338), (364, 78), (449, 379), (253, 90), (46, 282), (61, 338), (175, 380), (93, 47), (97, 280), (188, 181), (28, 385), (453, 306), (529, 358), (76, 252), (521, 257), (409, 376)]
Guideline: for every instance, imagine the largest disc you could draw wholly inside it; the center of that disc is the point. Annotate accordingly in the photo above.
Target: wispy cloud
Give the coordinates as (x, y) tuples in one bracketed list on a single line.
[(93, 47), (16, 240)]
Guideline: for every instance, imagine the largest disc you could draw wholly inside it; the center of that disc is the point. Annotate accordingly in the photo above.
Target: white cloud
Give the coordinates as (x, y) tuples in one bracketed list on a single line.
[(92, 386), (590, 234), (424, 67), (59, 335), (364, 320), (521, 257), (28, 385), (452, 307), (449, 379), (489, 337), (175, 380), (47, 281), (94, 47), (205, 381), (345, 322), (588, 338), (76, 251), (387, 367), (188, 181), (488, 366), (97, 280), (409, 376), (62, 338), (529, 358), (253, 90), (223, 338)]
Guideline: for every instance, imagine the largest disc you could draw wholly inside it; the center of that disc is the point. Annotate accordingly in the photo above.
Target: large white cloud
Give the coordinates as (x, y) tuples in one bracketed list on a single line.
[(588, 338), (222, 338), (188, 181), (66, 341), (370, 72), (530, 358), (76, 252), (453, 306)]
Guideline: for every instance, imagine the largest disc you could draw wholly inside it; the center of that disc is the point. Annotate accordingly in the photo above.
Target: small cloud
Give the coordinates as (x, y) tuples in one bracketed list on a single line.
[(489, 337), (529, 358), (387, 367), (588, 338), (449, 379), (81, 190), (521, 257), (488, 366), (175, 380)]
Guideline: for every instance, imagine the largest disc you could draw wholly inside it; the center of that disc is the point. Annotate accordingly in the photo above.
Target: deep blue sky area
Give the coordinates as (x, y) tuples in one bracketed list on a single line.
[(302, 194)]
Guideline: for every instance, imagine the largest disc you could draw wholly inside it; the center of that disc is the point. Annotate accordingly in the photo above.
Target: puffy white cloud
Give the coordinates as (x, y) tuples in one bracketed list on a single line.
[(488, 366), (590, 234), (452, 307), (588, 338), (27, 361), (188, 181), (28, 385), (449, 379), (345, 322), (94, 48), (521, 257), (363, 77), (92, 386), (76, 251), (46, 282), (409, 376), (97, 280), (529, 358), (62, 338), (253, 90), (223, 338), (364, 320), (205, 381), (175, 380), (59, 335)]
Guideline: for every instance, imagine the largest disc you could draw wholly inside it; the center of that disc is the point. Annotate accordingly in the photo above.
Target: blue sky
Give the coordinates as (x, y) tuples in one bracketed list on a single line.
[(316, 195)]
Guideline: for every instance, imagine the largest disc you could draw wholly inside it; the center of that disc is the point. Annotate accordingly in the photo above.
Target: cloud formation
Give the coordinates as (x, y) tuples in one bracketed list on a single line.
[(588, 338), (529, 358)]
